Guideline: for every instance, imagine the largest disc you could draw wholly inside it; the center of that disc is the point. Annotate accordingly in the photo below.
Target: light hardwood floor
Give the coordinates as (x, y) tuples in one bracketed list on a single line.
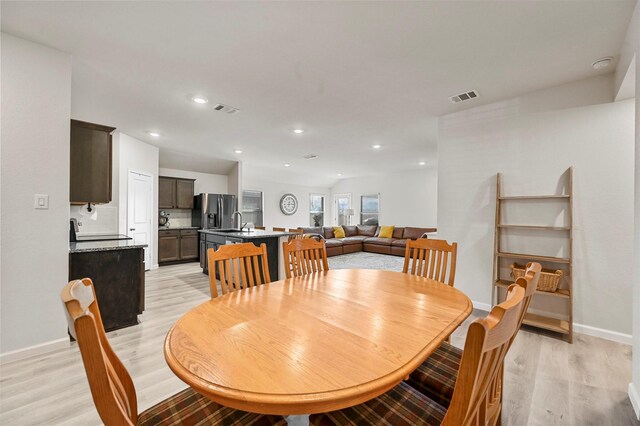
[(547, 381)]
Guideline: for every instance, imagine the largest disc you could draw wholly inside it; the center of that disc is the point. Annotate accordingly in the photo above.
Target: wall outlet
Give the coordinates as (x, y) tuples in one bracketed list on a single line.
[(41, 202)]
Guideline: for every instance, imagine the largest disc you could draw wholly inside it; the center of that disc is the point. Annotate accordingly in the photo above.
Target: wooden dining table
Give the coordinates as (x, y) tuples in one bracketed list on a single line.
[(314, 343)]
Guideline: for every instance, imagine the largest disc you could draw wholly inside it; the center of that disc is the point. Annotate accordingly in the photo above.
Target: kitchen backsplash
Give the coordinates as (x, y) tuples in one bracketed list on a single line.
[(102, 220), (179, 217)]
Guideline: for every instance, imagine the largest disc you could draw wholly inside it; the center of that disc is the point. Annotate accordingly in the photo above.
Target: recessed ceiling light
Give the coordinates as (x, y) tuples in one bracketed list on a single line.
[(237, 151), (602, 63), (154, 134), (339, 174), (376, 146), (287, 165), (422, 163), (298, 131), (200, 100)]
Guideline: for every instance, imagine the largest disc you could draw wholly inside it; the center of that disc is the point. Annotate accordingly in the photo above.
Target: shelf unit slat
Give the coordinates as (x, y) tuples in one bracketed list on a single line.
[(558, 293), (535, 257), (536, 227), (535, 197), (547, 323)]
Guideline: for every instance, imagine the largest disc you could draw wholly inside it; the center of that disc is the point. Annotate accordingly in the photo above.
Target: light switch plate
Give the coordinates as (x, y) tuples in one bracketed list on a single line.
[(41, 202)]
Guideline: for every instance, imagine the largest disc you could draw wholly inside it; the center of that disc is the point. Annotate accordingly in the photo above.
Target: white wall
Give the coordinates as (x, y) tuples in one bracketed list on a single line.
[(630, 62), (406, 199), (634, 388), (533, 143), (36, 108), (137, 156), (205, 182), (273, 191)]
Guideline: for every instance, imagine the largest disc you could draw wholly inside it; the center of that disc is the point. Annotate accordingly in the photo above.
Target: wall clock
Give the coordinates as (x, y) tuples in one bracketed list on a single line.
[(288, 204)]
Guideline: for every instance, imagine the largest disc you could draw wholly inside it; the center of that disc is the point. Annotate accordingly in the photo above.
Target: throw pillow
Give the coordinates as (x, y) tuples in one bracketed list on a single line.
[(386, 231), (338, 231)]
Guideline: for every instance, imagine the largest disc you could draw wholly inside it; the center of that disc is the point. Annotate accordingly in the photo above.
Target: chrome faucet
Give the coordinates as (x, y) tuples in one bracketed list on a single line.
[(240, 223)]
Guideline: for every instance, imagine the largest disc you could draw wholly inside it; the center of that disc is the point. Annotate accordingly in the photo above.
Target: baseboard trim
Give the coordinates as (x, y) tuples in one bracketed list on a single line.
[(588, 330), (156, 266), (40, 349), (634, 396), (481, 306), (614, 336)]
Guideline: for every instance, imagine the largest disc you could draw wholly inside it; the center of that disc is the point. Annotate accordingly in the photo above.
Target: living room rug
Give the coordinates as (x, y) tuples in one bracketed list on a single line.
[(364, 260)]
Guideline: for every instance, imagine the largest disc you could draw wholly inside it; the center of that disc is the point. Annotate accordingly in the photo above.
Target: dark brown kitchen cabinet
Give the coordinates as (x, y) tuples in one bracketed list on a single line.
[(118, 280), (90, 174), (168, 246), (184, 194), (175, 193), (189, 246), (177, 245), (166, 193)]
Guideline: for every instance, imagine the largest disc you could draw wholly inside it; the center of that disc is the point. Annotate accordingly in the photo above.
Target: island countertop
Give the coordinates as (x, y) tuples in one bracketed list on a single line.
[(107, 245), (247, 235)]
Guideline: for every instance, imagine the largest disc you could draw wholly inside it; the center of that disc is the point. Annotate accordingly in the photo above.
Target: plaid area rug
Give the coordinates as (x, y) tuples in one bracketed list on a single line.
[(364, 260)]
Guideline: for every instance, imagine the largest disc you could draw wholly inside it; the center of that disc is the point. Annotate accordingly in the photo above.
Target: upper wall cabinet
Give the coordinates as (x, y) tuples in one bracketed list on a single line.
[(90, 176), (175, 193)]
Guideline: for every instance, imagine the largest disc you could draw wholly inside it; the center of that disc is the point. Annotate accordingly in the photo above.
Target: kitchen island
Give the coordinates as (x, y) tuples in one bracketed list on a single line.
[(213, 238), (116, 268)]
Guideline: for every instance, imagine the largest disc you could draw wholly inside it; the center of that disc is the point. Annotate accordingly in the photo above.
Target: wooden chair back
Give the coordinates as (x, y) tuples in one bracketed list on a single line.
[(298, 234), (431, 259), (530, 283), (262, 228), (488, 341), (111, 386), (275, 229), (304, 256), (238, 266)]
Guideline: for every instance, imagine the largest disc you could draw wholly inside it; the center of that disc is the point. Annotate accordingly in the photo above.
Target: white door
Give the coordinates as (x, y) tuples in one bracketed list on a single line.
[(341, 203), (139, 206)]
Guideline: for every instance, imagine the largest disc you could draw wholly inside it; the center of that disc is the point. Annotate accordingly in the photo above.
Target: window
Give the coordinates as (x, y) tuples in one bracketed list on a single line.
[(316, 210), (252, 207), (369, 209)]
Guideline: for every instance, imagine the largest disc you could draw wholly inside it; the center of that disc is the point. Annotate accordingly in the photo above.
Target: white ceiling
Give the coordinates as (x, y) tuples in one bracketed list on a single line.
[(351, 73)]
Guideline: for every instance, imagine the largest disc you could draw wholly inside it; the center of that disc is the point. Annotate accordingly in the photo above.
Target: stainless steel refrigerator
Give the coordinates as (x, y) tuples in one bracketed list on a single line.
[(212, 211)]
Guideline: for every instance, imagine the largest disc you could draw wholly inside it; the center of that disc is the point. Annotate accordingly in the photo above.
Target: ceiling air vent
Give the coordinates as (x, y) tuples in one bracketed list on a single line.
[(310, 157), (464, 96), (225, 108)]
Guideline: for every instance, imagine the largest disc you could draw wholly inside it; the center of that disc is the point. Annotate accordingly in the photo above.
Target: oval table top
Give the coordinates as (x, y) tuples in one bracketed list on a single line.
[(315, 343)]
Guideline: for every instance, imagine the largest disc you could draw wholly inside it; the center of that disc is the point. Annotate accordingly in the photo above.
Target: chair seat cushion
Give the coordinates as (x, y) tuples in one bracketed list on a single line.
[(190, 408), (436, 377), (402, 405)]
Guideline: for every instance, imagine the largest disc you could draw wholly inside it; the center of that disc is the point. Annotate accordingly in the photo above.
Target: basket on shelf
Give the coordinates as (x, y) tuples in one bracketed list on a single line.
[(549, 279)]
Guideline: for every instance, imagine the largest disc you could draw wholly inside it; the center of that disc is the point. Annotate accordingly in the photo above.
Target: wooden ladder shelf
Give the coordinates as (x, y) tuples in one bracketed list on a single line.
[(502, 255)]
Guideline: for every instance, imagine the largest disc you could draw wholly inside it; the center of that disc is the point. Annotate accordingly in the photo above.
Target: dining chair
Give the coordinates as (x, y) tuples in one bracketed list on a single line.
[(275, 229), (296, 234), (262, 228), (487, 343), (304, 256), (437, 376), (238, 266), (111, 386), (431, 259)]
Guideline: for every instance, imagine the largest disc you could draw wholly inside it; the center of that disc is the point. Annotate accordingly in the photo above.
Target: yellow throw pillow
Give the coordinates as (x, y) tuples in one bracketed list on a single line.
[(386, 232), (338, 231)]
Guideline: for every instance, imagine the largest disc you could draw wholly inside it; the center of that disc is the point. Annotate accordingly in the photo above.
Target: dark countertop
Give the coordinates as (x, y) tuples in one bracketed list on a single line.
[(176, 228), (103, 246), (253, 234)]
